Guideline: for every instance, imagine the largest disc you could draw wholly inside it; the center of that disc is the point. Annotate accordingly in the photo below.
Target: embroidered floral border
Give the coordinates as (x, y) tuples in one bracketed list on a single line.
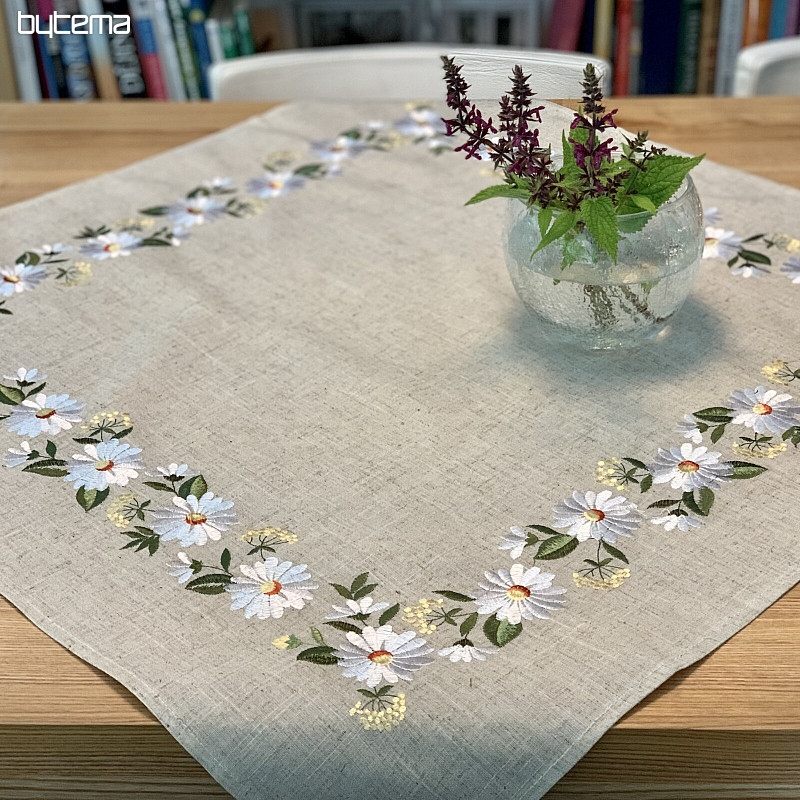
[(172, 224), (376, 643)]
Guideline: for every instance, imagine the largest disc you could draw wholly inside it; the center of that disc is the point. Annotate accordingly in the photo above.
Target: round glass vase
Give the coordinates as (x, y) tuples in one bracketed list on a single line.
[(580, 296)]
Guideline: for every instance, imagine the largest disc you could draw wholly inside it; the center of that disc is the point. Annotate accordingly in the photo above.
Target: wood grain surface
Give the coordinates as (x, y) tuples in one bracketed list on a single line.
[(727, 728)]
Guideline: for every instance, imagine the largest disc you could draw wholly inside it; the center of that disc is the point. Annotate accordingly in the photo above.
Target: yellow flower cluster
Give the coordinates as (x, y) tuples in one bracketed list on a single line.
[(609, 471), (135, 224), (282, 158), (285, 642), (250, 207), (80, 272), (777, 371), (275, 533), (113, 417), (116, 510), (383, 720), (786, 242), (417, 616), (764, 451), (604, 584)]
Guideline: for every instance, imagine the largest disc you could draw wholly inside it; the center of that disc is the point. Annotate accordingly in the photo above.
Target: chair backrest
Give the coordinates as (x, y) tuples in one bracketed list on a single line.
[(394, 72), (768, 68)]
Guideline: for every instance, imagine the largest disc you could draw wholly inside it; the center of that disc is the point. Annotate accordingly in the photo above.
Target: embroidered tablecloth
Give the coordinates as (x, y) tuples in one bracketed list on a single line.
[(284, 456)]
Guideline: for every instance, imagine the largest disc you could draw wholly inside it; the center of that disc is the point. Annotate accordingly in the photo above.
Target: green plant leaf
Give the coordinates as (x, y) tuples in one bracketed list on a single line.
[(663, 503), (225, 559), (154, 211), (600, 217), (644, 203), (316, 634), (47, 472), (743, 470), (162, 487), (195, 486), (705, 499), (561, 224), (692, 504), (717, 433), (498, 190), (663, 176), (469, 623), (318, 655), (634, 462), (543, 218), (343, 591), (501, 632), (359, 581), (11, 396), (755, 258), (389, 614), (612, 551), (544, 529), (646, 484), (90, 498), (214, 579), (341, 625), (557, 546), (364, 591), (714, 414), (455, 596), (51, 449)]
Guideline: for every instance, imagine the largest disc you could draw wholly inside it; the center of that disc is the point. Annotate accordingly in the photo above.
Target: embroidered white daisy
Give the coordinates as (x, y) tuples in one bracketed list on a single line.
[(110, 245), (764, 410), (217, 184), (518, 594), (373, 125), (26, 376), (17, 455), (338, 149), (750, 271), (515, 541), (196, 210), (170, 471), (380, 654), (721, 243), (689, 429), (467, 653), (711, 216), (268, 588), (182, 568), (275, 184), (353, 607), (688, 468), (51, 249), (791, 268), (101, 465), (44, 413), (599, 516), (194, 520), (421, 123), (683, 522), (18, 278)]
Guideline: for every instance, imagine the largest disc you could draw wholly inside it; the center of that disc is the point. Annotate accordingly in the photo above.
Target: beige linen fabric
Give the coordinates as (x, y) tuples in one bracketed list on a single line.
[(353, 364)]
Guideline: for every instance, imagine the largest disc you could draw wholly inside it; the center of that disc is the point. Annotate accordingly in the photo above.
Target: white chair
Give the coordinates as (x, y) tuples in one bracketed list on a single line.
[(768, 68), (395, 72)]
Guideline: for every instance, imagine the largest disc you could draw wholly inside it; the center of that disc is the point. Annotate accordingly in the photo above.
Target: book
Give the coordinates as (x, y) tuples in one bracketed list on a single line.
[(756, 22), (792, 18), (23, 54), (8, 86), (729, 42), (622, 48), (196, 17), (688, 46), (100, 54), (75, 56), (143, 16), (227, 32), (214, 38), (244, 36), (183, 45), (636, 47), (167, 51), (125, 54), (659, 46), (565, 25), (777, 18), (48, 52), (603, 28), (707, 51), (586, 38)]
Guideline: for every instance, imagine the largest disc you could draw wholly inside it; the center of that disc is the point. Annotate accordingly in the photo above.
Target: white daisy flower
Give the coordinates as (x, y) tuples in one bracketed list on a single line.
[(110, 245), (764, 410), (517, 594), (275, 184), (182, 569), (750, 271), (421, 123), (194, 520), (268, 588), (721, 243), (178, 235), (689, 468), (353, 607), (17, 455), (683, 522), (216, 183), (196, 210), (44, 413), (467, 653), (18, 278), (101, 465), (380, 654), (51, 249), (26, 376), (338, 149), (170, 471), (515, 541), (597, 515), (791, 268), (689, 429), (711, 216), (373, 125)]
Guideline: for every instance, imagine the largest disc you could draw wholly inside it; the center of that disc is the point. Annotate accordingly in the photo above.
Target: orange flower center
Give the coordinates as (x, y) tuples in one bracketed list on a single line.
[(113, 247), (104, 465), (688, 466), (380, 657), (196, 519), (594, 515), (517, 592), (275, 184), (270, 587), (761, 409), (45, 413), (194, 210), (11, 278)]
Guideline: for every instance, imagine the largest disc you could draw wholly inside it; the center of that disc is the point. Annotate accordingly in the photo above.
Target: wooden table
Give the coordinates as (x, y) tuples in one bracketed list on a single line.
[(727, 728)]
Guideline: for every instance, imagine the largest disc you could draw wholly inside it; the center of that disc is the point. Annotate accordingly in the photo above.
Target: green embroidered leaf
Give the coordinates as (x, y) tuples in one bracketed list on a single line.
[(499, 190), (318, 655), (142, 538), (469, 623), (214, 583), (705, 499), (544, 529), (714, 414), (162, 487), (123, 432), (601, 220), (663, 176), (612, 551), (755, 258), (46, 469), (455, 596), (359, 581), (90, 498), (195, 486), (663, 503), (501, 632), (389, 614), (634, 462), (343, 591), (743, 470), (86, 440), (561, 224), (316, 635), (309, 170), (646, 483), (717, 433), (154, 211), (11, 396), (557, 546), (341, 625), (692, 505), (51, 449), (364, 591), (225, 559)]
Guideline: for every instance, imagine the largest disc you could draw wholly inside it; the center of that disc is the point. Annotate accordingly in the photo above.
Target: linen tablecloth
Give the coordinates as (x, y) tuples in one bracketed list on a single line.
[(285, 457)]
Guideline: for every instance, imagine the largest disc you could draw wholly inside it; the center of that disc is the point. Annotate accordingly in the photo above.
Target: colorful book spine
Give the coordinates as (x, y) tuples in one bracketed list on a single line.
[(167, 51), (227, 32), (52, 74), (124, 54), (143, 13), (731, 27), (8, 86), (659, 46), (793, 18), (196, 17), (23, 54), (691, 19), (622, 49), (183, 44), (707, 52), (603, 28), (756, 22), (777, 18), (100, 54), (214, 40), (244, 34), (636, 47), (75, 54), (565, 25)]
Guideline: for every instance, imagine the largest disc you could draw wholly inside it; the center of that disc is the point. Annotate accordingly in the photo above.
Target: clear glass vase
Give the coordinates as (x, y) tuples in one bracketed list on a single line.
[(593, 302)]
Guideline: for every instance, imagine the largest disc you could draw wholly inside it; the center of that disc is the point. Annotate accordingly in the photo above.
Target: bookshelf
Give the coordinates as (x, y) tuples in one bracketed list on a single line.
[(655, 46)]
